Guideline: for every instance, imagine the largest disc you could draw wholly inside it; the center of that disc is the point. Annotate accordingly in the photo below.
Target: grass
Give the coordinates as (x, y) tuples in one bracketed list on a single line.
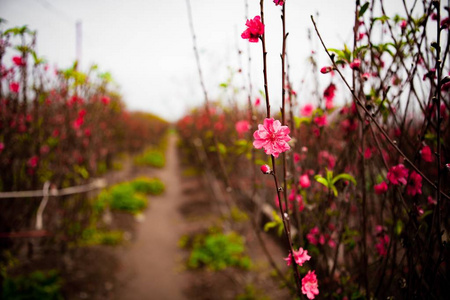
[(37, 285), (129, 196), (148, 186), (217, 251), (92, 236), (151, 158)]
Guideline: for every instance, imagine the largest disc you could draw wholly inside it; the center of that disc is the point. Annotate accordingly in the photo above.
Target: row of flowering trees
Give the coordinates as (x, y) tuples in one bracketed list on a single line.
[(63, 126), (366, 184)]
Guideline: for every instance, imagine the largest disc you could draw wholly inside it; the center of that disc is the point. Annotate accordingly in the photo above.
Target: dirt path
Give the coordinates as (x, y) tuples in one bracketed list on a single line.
[(150, 266)]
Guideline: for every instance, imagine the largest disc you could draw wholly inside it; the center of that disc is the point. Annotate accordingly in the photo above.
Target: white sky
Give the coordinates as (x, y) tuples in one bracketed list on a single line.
[(147, 45)]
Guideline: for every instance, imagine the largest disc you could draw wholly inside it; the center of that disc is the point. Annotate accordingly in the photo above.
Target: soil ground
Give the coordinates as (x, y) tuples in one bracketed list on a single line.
[(150, 264)]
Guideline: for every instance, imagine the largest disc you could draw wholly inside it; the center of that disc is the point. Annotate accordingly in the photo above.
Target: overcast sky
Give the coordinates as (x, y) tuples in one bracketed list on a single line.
[(147, 45)]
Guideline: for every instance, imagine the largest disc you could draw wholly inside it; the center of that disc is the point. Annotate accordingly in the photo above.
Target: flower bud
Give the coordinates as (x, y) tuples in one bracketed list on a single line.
[(326, 70), (354, 65), (265, 169)]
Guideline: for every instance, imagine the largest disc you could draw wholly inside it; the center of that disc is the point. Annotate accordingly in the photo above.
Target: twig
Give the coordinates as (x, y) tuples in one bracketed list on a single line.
[(358, 101)]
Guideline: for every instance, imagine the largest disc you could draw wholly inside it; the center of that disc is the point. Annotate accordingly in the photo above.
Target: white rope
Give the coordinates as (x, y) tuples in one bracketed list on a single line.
[(42, 206), (95, 184)]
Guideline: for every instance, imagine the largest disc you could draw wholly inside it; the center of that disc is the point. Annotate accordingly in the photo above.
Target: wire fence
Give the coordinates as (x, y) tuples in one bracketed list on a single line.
[(46, 192)]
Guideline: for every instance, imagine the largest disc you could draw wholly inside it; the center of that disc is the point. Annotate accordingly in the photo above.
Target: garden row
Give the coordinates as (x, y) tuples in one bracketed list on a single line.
[(31, 279), (361, 189), (63, 128)]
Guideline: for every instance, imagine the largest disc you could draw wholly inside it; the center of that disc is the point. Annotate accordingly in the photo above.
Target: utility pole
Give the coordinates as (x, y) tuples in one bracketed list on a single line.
[(78, 42)]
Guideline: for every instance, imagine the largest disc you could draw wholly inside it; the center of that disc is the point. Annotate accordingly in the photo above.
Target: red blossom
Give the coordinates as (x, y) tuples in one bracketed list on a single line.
[(87, 132), (361, 35), (55, 133), (307, 110), (380, 188), (329, 92), (414, 185), (33, 161), (355, 64), (14, 87), (382, 245), (77, 123), (367, 153), (349, 125), (327, 69), (325, 157), (82, 113), (426, 154), (254, 30), (105, 100), (321, 121), (18, 61), (265, 169), (403, 24), (278, 2), (397, 174), (44, 149), (431, 201), (365, 76)]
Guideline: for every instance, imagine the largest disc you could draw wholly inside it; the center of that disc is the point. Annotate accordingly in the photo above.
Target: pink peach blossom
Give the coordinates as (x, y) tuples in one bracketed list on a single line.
[(272, 136), (242, 127), (310, 285), (307, 110), (304, 181), (300, 257)]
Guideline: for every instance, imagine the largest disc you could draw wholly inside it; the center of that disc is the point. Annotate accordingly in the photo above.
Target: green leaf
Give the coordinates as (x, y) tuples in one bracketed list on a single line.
[(363, 9), (398, 228), (298, 121), (224, 85), (339, 53), (383, 19), (335, 192), (222, 148), (329, 176), (260, 162), (82, 171), (344, 176), (321, 180), (261, 92), (17, 30), (270, 225), (347, 53)]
